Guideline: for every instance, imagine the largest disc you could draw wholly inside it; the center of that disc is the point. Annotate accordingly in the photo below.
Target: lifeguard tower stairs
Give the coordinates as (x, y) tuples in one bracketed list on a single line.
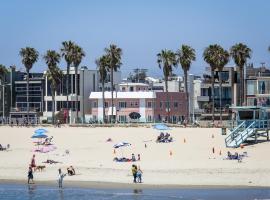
[(251, 123)]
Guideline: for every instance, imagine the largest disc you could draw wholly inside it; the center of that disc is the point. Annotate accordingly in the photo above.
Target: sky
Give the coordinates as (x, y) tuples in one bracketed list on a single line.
[(142, 28)]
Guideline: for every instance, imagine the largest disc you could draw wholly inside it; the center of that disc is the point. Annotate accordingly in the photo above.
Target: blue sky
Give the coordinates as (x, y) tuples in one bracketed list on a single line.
[(141, 28)]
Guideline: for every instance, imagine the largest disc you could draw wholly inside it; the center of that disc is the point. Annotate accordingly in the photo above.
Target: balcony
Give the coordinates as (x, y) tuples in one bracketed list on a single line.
[(203, 98)]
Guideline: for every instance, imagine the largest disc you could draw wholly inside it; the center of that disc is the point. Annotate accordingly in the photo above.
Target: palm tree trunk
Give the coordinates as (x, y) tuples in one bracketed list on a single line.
[(213, 95), (241, 86), (187, 94), (220, 84), (27, 94), (103, 101), (167, 99), (76, 93), (112, 89), (53, 105)]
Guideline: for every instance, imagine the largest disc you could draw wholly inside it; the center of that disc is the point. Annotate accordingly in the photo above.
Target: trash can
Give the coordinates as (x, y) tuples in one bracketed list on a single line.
[(223, 131)]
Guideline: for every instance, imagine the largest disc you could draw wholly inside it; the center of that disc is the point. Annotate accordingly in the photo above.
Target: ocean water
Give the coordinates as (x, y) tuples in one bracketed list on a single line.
[(34, 192)]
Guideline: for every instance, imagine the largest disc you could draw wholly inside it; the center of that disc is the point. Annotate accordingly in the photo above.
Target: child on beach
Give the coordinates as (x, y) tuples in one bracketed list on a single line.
[(139, 174), (60, 178), (30, 175)]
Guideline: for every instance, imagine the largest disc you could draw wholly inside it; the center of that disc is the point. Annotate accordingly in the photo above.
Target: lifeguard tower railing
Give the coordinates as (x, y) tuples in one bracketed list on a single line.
[(250, 122)]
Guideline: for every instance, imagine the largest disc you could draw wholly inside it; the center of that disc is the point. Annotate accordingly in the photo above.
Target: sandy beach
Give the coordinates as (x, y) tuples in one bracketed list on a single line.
[(187, 161)]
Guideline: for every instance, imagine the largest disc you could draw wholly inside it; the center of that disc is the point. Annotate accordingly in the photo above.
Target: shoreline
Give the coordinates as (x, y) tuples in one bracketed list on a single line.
[(117, 185)]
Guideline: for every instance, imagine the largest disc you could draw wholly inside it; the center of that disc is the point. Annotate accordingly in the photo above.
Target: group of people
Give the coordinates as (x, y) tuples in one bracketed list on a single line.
[(2, 148), (236, 156), (132, 159), (164, 138), (136, 173)]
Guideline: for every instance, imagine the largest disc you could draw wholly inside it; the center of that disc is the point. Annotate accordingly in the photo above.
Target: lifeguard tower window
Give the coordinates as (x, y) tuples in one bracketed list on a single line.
[(248, 115)]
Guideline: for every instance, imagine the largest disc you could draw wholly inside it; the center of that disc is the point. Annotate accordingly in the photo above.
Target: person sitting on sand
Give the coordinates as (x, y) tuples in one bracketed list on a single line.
[(134, 173), (30, 175), (71, 171), (229, 155), (60, 178), (133, 157), (139, 174)]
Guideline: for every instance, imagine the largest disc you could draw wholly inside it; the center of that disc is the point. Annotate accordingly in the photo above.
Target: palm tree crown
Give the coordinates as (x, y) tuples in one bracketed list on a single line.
[(240, 53), (52, 58), (3, 71), (102, 65), (66, 51), (186, 55), (166, 60), (29, 57), (77, 55), (114, 54)]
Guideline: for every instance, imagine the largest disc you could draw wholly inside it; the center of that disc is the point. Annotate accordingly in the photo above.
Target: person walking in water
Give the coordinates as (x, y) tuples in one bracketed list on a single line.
[(30, 175), (60, 178)]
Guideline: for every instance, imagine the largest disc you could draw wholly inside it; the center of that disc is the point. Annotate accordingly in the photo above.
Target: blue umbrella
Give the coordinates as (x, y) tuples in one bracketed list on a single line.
[(41, 130), (39, 135), (161, 127)]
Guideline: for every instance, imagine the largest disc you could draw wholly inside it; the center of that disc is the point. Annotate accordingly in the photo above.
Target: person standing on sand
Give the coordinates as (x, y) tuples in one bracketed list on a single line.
[(30, 175), (134, 173), (33, 162), (139, 174), (60, 178)]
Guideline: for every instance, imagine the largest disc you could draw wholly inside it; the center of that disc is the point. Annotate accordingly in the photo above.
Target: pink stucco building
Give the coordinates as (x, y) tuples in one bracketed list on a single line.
[(150, 105)]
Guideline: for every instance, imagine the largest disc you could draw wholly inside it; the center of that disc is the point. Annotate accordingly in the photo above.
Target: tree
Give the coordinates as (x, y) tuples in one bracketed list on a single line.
[(77, 56), (186, 55), (224, 59), (102, 65), (212, 55), (166, 59), (66, 53), (29, 57), (240, 53), (53, 74), (3, 72), (114, 54)]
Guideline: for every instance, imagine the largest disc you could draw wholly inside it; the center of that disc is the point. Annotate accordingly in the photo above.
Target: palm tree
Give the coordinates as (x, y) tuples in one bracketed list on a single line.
[(114, 54), (77, 56), (186, 55), (240, 53), (29, 57), (212, 55), (166, 59), (224, 59), (53, 74), (66, 53), (102, 64), (3, 72)]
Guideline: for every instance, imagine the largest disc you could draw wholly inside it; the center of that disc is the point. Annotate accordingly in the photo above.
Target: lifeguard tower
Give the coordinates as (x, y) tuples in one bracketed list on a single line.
[(249, 123)]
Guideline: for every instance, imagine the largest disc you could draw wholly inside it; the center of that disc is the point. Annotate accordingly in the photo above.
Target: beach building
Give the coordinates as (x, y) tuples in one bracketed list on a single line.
[(152, 106), (229, 95), (65, 97)]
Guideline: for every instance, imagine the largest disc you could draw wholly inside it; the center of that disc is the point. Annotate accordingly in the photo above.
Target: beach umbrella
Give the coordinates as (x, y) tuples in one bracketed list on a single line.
[(161, 127), (134, 115), (39, 135), (41, 130), (121, 145)]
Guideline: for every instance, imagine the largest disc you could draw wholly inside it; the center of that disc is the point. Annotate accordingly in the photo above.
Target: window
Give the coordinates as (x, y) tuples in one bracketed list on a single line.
[(94, 104), (175, 104), (122, 104), (136, 104), (251, 87), (160, 104), (131, 104), (167, 104), (149, 118), (122, 118), (106, 104), (149, 104), (123, 89), (131, 89)]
